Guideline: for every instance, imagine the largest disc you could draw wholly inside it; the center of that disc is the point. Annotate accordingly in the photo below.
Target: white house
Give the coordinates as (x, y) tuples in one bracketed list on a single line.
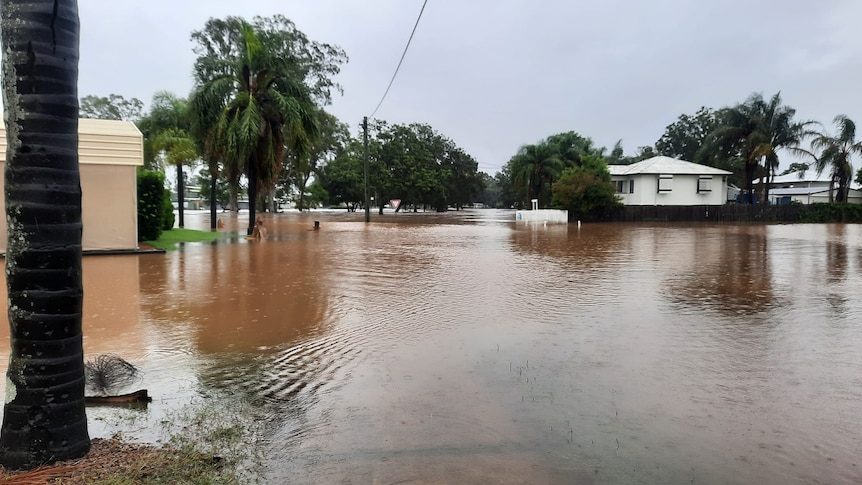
[(668, 181), (806, 188)]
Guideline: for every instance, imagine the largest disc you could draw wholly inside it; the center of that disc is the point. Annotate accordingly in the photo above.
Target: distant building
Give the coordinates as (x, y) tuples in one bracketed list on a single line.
[(806, 188), (669, 181), (109, 153)]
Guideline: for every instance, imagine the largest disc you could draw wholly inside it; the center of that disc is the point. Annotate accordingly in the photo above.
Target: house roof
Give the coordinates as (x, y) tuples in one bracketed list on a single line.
[(794, 177), (101, 142), (792, 180), (665, 165), (803, 190)]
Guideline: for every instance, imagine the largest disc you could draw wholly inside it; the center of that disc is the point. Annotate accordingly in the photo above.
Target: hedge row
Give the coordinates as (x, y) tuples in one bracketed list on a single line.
[(155, 211)]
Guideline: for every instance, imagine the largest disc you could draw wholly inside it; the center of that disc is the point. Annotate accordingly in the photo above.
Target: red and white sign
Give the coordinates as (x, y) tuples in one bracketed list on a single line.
[(395, 203)]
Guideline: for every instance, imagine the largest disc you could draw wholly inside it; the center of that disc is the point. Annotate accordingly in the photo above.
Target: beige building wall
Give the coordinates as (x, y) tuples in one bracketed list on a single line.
[(109, 154)]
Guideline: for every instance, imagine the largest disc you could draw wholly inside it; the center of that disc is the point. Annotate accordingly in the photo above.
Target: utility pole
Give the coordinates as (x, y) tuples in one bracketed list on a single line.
[(365, 141)]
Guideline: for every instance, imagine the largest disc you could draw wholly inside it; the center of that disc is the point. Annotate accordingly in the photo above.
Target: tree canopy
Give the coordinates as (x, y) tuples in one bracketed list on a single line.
[(110, 107)]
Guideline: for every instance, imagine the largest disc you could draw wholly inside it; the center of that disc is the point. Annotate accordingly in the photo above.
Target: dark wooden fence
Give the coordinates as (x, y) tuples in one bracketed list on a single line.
[(709, 213)]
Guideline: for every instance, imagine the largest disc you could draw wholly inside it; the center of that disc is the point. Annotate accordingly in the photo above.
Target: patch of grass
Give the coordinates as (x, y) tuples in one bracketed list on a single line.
[(216, 441), (170, 239)]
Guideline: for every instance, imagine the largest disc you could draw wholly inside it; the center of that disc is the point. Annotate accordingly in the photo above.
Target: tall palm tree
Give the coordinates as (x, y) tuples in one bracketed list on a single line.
[(261, 107), (44, 419), (180, 150), (836, 153), (166, 131), (535, 168), (756, 131)]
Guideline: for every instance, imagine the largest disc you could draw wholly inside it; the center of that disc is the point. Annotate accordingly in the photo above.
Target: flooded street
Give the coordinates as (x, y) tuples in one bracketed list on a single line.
[(466, 348)]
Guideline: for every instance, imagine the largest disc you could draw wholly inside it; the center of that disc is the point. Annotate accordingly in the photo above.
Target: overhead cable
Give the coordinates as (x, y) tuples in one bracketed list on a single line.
[(402, 59)]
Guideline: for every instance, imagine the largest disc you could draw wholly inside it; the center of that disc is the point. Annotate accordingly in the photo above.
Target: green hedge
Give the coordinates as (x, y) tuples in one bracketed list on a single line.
[(151, 196), (834, 212)]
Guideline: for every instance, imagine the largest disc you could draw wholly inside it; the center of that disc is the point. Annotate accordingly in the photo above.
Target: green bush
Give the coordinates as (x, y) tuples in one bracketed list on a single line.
[(834, 212), (587, 193), (168, 216), (151, 190)]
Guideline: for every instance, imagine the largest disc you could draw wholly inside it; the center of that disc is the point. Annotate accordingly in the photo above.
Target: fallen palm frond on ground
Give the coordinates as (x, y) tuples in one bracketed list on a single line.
[(107, 373)]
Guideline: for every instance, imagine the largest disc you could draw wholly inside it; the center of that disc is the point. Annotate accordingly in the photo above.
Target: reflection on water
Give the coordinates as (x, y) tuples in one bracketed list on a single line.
[(465, 348)]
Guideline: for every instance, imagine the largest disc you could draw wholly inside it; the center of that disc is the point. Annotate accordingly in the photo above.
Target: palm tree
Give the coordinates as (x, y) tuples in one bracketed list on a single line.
[(836, 153), (756, 131), (535, 168), (261, 107), (180, 150), (166, 131), (44, 418)]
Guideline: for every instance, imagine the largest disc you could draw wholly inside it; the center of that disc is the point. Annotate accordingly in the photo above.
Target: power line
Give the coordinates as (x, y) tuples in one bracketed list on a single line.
[(402, 59)]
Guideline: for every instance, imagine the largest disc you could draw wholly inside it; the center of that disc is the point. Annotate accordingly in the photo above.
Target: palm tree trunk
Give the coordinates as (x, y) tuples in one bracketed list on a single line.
[(252, 195), (181, 193), (213, 198), (233, 192), (44, 418)]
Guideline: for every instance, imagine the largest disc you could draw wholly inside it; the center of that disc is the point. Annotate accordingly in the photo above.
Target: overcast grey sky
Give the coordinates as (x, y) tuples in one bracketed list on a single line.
[(494, 75)]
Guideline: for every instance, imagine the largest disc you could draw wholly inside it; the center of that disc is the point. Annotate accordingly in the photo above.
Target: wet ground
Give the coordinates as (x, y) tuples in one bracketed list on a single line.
[(466, 348)]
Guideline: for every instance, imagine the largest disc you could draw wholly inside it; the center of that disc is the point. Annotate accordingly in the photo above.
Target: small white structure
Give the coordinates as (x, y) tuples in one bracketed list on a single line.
[(669, 181), (550, 216)]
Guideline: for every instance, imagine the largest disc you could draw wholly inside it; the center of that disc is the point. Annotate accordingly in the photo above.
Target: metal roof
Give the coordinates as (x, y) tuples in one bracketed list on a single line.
[(665, 165), (101, 142)]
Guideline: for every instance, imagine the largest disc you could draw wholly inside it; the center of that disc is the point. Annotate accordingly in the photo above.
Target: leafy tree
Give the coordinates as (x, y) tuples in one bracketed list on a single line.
[(461, 177), (586, 191), (343, 177), (416, 164), (332, 137), (684, 138), (44, 418), (507, 193), (572, 147), (111, 107), (222, 195), (317, 195)]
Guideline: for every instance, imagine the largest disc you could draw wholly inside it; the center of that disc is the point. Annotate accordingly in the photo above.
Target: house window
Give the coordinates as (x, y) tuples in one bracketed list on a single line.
[(665, 183), (704, 184), (631, 186), (619, 185)]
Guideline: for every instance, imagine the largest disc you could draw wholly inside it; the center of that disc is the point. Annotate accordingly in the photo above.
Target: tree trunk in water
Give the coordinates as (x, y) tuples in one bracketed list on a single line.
[(44, 418), (181, 193), (272, 204), (749, 183), (252, 195), (213, 203), (233, 192)]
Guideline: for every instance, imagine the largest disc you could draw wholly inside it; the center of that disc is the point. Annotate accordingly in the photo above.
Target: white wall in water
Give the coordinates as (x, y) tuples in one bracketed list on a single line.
[(543, 215)]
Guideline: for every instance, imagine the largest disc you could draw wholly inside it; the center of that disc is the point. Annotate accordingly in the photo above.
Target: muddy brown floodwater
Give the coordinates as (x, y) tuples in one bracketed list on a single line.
[(466, 348)]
